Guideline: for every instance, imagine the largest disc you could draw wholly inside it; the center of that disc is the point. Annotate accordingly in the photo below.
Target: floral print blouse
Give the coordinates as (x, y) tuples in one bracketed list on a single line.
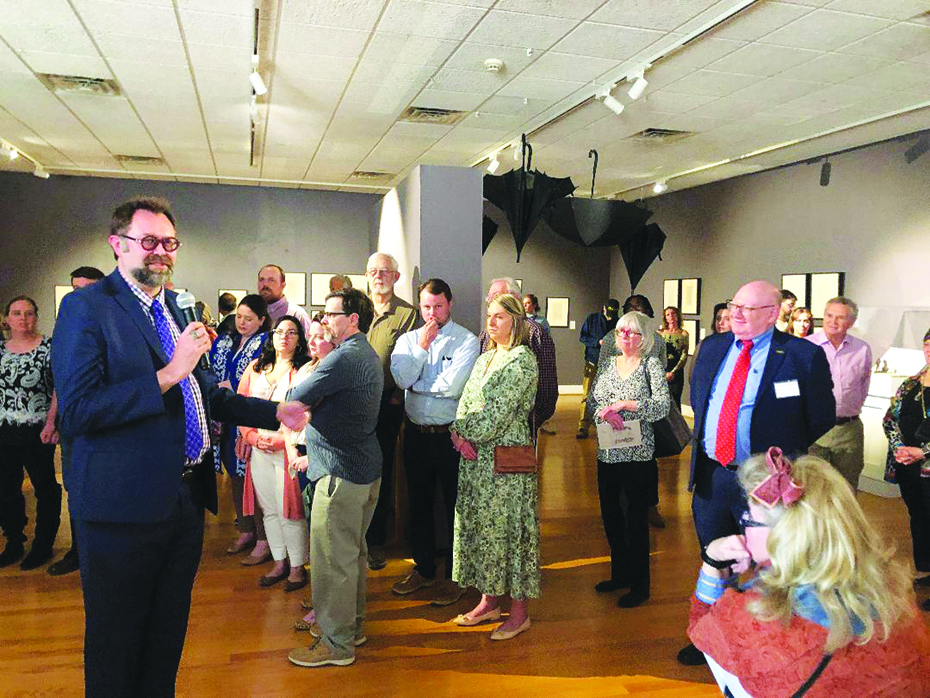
[(908, 390), (26, 385)]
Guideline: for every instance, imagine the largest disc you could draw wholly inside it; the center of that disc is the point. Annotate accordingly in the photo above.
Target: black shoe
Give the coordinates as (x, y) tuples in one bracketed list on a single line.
[(691, 656), (11, 554), (37, 557), (376, 560), (922, 581), (633, 599), (925, 605), (66, 565), (610, 585)]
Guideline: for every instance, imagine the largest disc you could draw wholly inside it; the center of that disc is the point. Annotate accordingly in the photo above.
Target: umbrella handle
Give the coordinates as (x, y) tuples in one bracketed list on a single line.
[(593, 153), (527, 154)]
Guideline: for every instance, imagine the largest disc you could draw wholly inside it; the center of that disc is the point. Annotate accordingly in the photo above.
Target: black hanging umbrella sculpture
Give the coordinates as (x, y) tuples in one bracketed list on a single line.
[(640, 251), (524, 195), (488, 231), (596, 223)]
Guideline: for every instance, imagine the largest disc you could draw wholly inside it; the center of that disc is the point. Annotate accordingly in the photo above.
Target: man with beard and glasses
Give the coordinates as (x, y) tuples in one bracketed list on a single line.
[(271, 288), (135, 408)]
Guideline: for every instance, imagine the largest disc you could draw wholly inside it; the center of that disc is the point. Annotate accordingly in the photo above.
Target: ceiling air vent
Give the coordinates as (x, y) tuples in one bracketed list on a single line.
[(139, 160), (659, 135), (80, 85), (362, 174), (431, 115)]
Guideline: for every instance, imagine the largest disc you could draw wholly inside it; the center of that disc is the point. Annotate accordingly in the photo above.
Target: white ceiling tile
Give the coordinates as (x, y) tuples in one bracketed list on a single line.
[(650, 14), (691, 122), (708, 82), (762, 59), (514, 106), (825, 30), (899, 42), (923, 58), (325, 41), (50, 38), (217, 57), (146, 50), (523, 31), (728, 108), (468, 81), (106, 17), (699, 54), (571, 9), (834, 97), (430, 19), (379, 99), (702, 105), (380, 72), (471, 56), (310, 67), (539, 88), (440, 99), (774, 91), (404, 48), (496, 122), (834, 67), (114, 123), (565, 66), (346, 14), (220, 29), (66, 64), (890, 9), (894, 101), (218, 6), (138, 78), (409, 129), (758, 20), (899, 76), (606, 41)]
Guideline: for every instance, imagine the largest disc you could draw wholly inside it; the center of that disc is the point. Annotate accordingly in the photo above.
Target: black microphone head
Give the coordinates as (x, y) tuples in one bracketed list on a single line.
[(186, 300)]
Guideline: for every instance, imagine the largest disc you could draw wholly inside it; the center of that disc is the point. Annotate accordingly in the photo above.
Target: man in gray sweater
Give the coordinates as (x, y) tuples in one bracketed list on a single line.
[(344, 457)]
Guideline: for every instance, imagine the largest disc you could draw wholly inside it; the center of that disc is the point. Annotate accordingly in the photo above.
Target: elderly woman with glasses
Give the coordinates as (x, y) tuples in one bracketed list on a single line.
[(270, 478), (828, 608), (629, 393)]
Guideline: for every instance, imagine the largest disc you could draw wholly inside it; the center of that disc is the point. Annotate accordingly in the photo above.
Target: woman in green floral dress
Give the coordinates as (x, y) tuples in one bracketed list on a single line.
[(496, 546)]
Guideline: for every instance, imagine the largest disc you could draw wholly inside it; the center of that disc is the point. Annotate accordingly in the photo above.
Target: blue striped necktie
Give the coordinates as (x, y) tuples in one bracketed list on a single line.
[(193, 442)]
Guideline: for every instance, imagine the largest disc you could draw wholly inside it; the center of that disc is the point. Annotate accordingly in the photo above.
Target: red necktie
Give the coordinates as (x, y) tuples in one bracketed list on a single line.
[(726, 427)]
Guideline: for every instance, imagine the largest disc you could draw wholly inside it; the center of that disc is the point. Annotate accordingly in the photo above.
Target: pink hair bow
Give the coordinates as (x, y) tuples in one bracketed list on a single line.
[(778, 486)]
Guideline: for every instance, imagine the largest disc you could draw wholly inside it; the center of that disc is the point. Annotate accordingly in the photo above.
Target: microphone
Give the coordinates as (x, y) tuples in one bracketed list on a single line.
[(186, 303)]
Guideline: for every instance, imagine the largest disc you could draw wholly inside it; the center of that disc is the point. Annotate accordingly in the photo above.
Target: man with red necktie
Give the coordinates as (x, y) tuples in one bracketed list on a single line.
[(751, 388)]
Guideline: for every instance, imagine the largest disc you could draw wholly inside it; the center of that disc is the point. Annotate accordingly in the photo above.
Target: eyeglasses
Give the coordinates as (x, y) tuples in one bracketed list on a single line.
[(379, 272), (328, 314), (286, 333), (733, 307), (150, 242), (628, 334)]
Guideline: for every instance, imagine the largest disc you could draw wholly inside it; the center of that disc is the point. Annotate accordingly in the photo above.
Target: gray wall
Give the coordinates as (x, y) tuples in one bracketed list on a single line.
[(49, 227), (872, 222), (552, 266)]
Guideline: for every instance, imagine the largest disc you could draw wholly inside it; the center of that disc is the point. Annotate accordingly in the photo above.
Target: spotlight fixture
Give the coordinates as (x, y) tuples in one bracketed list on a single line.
[(494, 165), (257, 83), (612, 103), (517, 152), (10, 152), (40, 172), (918, 149), (660, 187), (639, 85), (825, 173)]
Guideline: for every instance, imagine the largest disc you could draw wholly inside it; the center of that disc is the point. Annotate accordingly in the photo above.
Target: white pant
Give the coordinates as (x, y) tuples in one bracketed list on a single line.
[(287, 538)]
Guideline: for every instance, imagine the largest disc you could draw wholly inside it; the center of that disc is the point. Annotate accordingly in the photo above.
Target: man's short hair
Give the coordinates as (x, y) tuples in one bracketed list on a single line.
[(273, 266), (354, 301), (436, 287), (640, 303), (788, 295), (92, 273), (226, 303), (344, 278), (122, 215), (395, 265), (848, 302), (512, 286)]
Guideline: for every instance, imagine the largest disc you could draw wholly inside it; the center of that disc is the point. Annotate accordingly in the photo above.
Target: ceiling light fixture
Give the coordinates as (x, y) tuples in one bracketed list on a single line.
[(10, 152), (517, 153), (660, 187), (257, 83), (40, 172), (494, 165), (612, 103), (639, 85), (825, 170)]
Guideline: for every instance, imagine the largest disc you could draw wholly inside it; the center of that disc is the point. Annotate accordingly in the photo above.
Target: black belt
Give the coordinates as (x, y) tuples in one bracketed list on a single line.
[(733, 467), (845, 420), (429, 428)]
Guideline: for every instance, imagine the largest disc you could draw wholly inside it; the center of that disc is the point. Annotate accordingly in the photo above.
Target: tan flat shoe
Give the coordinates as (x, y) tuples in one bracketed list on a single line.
[(466, 622), (252, 561), (499, 634)]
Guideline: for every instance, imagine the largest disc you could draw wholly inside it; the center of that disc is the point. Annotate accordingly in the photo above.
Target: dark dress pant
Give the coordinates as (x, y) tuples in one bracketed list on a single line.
[(430, 459), (915, 491), (718, 502), (137, 581), (623, 490), (38, 460), (390, 417)]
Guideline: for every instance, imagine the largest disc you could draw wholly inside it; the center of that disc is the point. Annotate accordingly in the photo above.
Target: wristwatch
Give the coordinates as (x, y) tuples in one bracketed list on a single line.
[(716, 564)]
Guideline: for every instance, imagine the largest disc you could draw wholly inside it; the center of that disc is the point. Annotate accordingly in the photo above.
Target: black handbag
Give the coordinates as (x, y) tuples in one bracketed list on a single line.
[(672, 433)]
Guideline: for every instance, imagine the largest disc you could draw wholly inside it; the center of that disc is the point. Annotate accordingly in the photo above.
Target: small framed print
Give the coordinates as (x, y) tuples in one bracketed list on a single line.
[(693, 328), (671, 293), (690, 297), (824, 286), (557, 311), (295, 287)]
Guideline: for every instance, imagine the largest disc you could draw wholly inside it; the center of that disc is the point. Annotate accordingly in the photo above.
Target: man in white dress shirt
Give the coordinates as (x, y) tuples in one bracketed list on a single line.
[(432, 364)]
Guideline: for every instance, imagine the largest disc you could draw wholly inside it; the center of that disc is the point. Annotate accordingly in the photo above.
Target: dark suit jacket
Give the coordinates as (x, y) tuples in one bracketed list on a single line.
[(791, 423), (127, 438)]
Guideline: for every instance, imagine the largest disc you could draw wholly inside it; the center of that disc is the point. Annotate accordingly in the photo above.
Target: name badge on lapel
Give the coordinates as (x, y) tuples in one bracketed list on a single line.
[(785, 389)]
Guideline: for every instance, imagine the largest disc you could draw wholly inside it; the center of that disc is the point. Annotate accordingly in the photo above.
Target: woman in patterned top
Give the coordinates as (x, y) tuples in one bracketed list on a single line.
[(27, 436), (676, 352), (629, 393), (907, 426), (231, 354), (496, 542)]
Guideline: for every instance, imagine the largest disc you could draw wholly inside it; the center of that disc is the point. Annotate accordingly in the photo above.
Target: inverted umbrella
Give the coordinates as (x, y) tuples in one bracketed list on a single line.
[(488, 231), (640, 250), (524, 195)]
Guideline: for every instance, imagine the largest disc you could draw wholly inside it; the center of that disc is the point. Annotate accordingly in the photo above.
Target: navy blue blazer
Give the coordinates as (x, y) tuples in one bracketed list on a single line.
[(127, 438), (791, 423)]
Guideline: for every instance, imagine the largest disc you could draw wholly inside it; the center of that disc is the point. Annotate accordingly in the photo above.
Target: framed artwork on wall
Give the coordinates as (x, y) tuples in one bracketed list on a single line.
[(671, 293), (359, 281), (824, 286), (239, 293), (693, 328), (296, 287), (797, 284), (690, 297), (557, 311), (60, 292)]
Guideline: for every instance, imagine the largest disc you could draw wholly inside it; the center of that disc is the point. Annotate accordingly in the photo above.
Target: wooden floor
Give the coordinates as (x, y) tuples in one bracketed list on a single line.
[(580, 644)]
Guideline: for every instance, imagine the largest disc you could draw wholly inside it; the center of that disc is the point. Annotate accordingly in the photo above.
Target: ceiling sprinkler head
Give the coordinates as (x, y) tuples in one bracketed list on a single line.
[(494, 65)]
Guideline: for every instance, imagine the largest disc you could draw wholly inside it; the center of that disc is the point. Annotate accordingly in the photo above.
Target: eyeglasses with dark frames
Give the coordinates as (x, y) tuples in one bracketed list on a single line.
[(150, 243)]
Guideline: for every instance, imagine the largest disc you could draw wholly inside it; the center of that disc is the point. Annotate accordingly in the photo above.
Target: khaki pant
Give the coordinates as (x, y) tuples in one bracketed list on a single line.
[(585, 419), (339, 519), (843, 448)]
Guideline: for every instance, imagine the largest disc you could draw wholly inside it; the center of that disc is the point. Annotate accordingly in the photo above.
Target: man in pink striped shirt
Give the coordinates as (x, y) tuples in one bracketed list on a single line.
[(850, 361)]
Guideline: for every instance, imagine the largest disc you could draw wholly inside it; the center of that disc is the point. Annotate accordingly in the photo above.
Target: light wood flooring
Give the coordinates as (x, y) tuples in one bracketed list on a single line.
[(580, 644)]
